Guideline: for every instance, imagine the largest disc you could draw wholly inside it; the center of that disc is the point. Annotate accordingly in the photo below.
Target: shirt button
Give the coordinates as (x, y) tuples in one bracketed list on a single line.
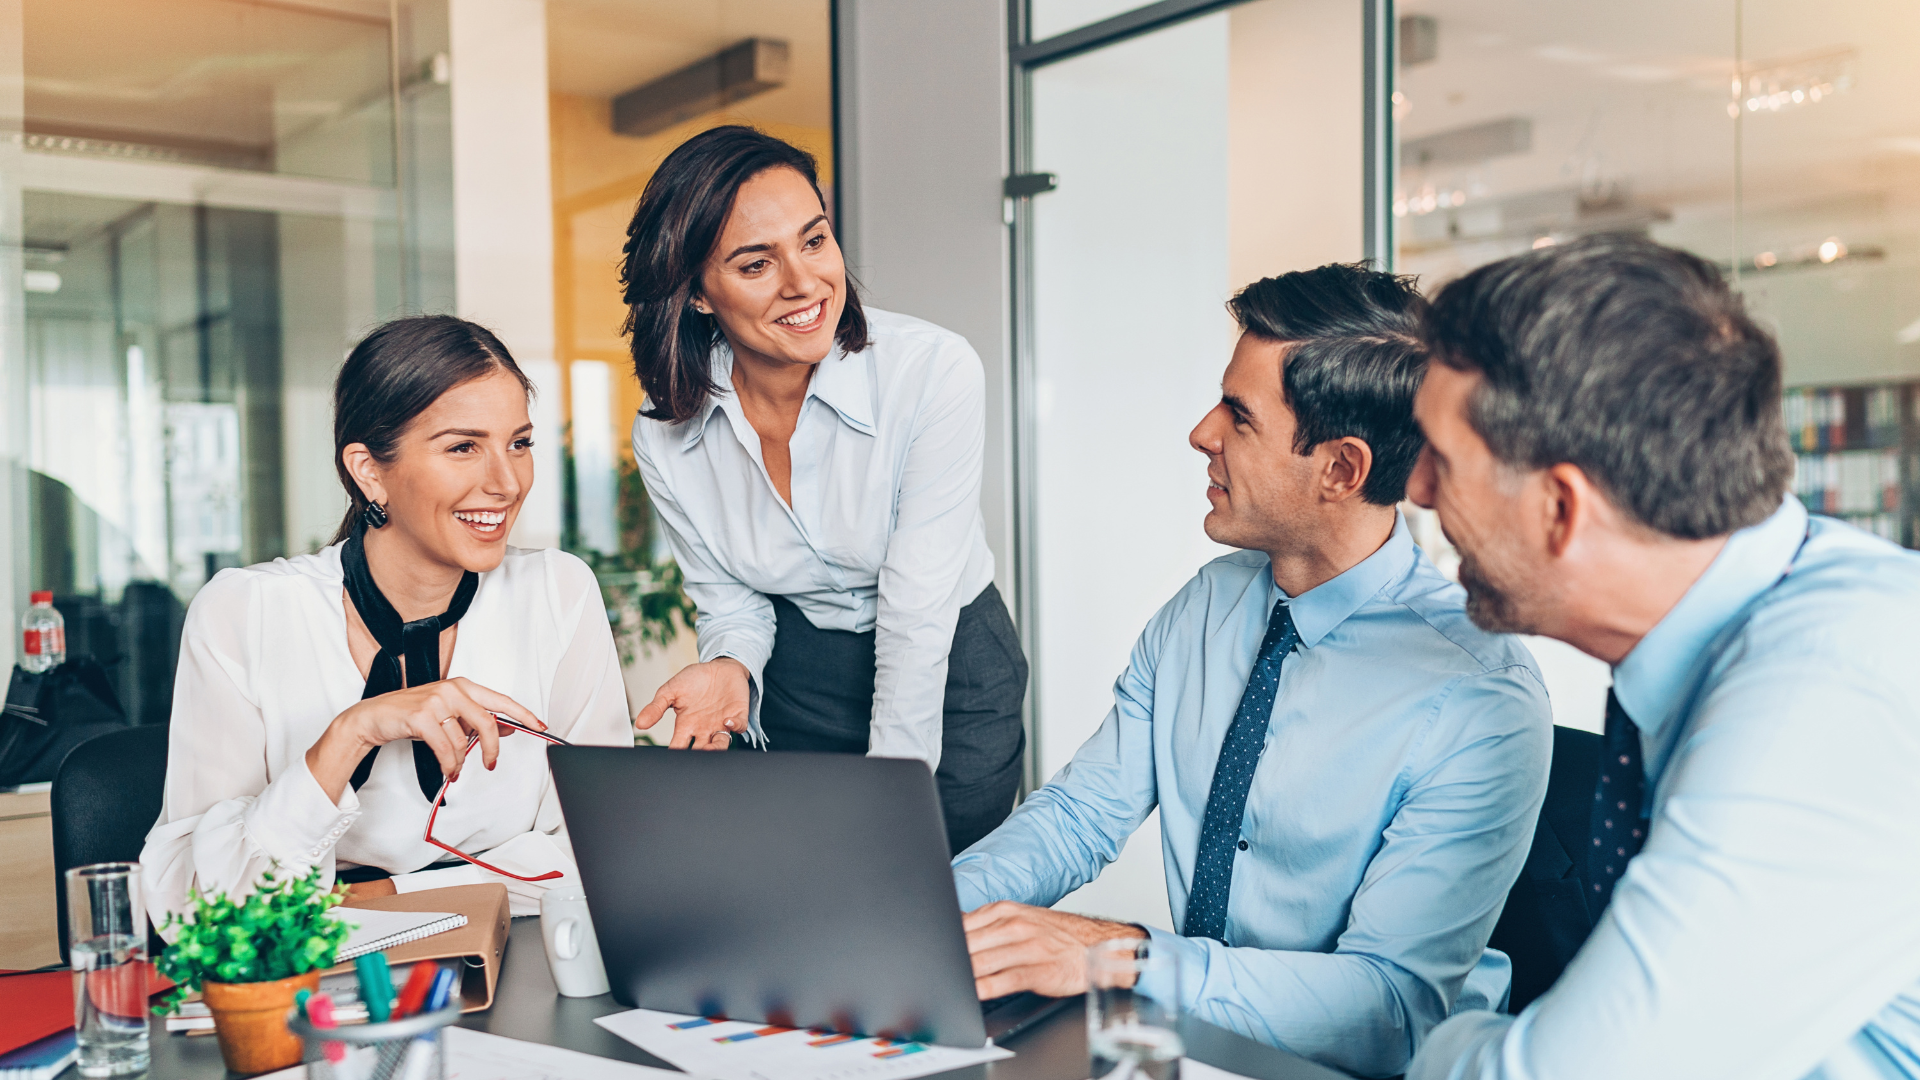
[(1243, 845)]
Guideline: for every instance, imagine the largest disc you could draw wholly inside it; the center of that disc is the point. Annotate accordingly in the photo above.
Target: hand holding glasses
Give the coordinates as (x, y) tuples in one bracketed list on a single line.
[(472, 741)]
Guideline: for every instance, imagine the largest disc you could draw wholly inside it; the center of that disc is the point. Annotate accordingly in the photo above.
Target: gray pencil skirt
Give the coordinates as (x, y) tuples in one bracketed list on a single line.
[(818, 695)]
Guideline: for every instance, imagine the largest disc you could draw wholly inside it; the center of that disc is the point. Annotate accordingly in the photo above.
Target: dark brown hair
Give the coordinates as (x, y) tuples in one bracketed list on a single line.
[(674, 229), (1354, 365), (1633, 361), (395, 374)]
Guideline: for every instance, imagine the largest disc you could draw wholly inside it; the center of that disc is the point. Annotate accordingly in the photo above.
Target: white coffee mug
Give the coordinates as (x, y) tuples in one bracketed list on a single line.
[(573, 953)]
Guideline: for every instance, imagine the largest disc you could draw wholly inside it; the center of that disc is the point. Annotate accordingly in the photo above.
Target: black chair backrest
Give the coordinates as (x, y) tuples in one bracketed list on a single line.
[(1545, 920), (106, 797)]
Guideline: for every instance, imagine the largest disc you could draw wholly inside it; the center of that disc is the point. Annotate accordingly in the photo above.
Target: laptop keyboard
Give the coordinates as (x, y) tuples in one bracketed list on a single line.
[(992, 1005)]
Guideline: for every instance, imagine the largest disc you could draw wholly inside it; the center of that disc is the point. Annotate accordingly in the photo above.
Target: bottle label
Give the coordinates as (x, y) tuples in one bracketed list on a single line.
[(42, 642)]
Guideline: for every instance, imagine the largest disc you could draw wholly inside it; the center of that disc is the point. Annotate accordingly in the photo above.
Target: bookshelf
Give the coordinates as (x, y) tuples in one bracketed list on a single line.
[(1857, 452)]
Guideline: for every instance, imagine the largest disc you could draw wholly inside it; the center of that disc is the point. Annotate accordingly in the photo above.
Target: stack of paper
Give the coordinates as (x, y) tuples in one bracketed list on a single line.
[(740, 1050)]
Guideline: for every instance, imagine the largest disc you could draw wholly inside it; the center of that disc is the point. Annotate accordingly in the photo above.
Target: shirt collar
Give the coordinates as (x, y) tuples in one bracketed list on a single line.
[(1653, 679), (840, 382), (1318, 610)]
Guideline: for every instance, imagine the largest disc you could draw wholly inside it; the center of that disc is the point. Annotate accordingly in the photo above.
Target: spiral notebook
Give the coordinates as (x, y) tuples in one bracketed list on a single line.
[(377, 931)]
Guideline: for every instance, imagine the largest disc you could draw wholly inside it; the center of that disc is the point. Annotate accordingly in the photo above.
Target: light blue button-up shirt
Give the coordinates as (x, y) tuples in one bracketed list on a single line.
[(1391, 809), (1770, 929)]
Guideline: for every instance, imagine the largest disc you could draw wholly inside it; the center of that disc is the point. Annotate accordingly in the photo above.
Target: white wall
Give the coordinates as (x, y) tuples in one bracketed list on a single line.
[(923, 150), (1295, 155), (503, 222)]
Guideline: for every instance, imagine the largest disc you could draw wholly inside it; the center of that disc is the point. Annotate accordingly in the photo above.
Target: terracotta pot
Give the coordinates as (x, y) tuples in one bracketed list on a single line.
[(251, 1021)]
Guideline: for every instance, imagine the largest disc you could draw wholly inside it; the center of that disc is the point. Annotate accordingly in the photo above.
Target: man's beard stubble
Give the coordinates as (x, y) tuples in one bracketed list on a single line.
[(1491, 607)]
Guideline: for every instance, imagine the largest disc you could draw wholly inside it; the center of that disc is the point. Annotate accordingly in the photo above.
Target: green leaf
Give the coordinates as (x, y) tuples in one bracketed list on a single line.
[(277, 929)]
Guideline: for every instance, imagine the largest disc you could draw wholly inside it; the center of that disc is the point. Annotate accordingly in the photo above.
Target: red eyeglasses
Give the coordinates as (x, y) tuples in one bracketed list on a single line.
[(472, 741)]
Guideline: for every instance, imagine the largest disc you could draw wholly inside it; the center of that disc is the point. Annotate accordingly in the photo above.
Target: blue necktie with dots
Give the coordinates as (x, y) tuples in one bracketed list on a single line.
[(1232, 779), (1617, 829)]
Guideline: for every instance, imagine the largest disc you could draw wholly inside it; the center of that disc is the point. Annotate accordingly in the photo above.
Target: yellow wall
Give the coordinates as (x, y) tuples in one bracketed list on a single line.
[(597, 177)]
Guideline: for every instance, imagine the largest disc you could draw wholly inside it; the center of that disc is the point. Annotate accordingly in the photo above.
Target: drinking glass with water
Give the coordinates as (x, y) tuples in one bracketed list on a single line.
[(1130, 1035), (107, 927)]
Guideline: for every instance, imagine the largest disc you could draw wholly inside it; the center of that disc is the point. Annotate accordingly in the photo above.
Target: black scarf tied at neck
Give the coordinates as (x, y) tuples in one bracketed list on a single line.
[(418, 641)]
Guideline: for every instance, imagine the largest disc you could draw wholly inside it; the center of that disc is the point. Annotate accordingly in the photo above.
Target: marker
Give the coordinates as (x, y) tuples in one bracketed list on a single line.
[(419, 981), (320, 1014), (376, 986), (300, 1000), (442, 991)]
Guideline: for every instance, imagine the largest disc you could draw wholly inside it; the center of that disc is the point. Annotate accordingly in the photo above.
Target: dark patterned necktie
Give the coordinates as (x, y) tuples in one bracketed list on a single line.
[(418, 641), (1617, 829), (1233, 778)]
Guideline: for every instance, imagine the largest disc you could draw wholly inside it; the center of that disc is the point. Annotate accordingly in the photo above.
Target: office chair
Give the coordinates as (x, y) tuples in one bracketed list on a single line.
[(1545, 920), (106, 796)]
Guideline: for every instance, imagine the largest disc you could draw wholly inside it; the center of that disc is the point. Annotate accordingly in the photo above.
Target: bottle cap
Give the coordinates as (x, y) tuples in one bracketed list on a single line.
[(42, 596)]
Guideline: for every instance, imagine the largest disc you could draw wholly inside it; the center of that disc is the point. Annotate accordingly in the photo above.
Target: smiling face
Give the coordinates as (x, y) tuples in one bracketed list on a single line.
[(458, 475), (1487, 510), (776, 281), (1259, 485)]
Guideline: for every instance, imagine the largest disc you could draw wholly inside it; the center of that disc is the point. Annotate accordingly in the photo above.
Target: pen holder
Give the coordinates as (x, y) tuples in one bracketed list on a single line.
[(409, 1049)]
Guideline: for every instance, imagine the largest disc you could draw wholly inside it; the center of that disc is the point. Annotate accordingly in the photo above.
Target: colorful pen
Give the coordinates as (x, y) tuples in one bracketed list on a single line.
[(320, 1014), (376, 986), (419, 981), (442, 991)]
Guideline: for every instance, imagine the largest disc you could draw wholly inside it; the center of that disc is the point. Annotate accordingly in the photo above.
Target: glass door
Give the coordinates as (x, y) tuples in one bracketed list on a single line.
[(204, 206), (1188, 161)]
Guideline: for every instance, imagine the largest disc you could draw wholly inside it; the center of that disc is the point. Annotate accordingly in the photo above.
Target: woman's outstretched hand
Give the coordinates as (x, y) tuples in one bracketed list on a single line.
[(709, 703), (441, 714)]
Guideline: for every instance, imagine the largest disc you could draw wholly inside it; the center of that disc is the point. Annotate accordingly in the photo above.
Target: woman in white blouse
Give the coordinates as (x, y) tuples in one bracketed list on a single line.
[(311, 725), (817, 469)]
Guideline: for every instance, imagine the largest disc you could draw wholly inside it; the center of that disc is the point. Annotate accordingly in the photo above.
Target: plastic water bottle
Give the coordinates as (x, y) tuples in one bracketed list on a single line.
[(43, 635)]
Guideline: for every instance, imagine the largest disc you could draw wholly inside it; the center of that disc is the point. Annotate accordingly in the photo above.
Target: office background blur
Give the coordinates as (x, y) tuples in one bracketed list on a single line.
[(204, 203)]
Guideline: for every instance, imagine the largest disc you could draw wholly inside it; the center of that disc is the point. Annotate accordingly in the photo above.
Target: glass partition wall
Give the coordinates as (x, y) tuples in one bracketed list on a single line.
[(203, 217), (1197, 146), (1775, 139), (1187, 161)]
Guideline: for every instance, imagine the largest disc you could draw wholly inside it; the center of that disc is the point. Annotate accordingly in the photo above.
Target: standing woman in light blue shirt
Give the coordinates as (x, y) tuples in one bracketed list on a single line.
[(817, 468)]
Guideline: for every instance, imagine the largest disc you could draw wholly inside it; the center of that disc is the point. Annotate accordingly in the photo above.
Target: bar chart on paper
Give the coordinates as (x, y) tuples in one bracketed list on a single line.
[(724, 1049)]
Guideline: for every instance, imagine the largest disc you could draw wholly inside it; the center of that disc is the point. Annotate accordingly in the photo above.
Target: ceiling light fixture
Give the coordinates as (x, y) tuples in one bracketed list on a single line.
[(1801, 80)]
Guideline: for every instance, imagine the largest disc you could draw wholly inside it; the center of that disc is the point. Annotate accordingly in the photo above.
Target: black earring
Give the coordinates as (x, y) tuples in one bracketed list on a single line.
[(374, 515)]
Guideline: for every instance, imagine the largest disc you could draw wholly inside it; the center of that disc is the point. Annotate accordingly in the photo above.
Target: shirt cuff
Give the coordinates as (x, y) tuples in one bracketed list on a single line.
[(1180, 981), (441, 877), (1464, 1046), (293, 820), (755, 663), (900, 740)]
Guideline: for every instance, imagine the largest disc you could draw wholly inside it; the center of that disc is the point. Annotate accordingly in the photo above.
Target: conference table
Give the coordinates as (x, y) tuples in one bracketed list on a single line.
[(525, 1006)]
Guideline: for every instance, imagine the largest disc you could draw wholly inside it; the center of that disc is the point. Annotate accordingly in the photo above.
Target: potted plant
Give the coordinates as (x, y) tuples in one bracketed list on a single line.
[(248, 956)]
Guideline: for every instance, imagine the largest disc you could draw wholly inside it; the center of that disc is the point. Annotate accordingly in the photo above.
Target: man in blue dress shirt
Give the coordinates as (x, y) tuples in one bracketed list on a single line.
[(1347, 771), (1608, 453)]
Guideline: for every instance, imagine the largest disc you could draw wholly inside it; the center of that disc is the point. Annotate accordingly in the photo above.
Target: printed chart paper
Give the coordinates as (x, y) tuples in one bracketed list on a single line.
[(740, 1050), (476, 1055)]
